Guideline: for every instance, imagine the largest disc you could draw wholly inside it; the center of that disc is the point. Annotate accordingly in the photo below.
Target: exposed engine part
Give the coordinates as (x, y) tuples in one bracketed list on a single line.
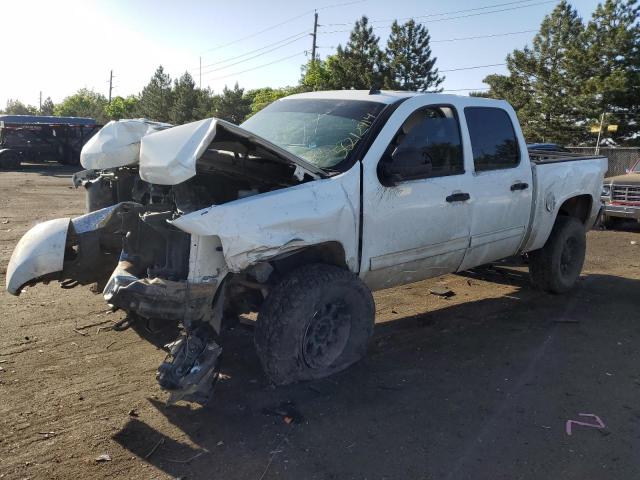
[(190, 371)]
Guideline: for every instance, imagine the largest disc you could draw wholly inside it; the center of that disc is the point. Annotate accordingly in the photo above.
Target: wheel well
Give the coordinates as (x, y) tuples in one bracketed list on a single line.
[(331, 253), (578, 207)]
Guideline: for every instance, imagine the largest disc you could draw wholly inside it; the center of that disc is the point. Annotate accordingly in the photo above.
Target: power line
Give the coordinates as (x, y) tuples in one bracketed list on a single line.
[(299, 34), (472, 67), (224, 67), (259, 66), (435, 14), (289, 20), (255, 34), (477, 37), (460, 16)]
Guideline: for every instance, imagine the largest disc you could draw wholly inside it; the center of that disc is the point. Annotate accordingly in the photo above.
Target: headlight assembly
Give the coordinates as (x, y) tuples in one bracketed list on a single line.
[(606, 190)]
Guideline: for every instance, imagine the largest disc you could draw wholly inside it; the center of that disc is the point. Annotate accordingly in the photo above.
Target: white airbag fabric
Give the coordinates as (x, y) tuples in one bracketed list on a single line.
[(117, 144)]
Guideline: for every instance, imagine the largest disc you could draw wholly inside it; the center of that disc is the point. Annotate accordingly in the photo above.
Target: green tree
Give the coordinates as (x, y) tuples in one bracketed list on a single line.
[(539, 84), (48, 107), (83, 103), (358, 65), (606, 67), (16, 107), (231, 105), (409, 64), (185, 100), (262, 97), (322, 74), (121, 107), (204, 104), (156, 98)]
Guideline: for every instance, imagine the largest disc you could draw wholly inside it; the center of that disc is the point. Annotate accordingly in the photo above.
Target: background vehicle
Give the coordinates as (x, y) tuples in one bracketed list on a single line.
[(301, 212), (553, 147), (32, 138), (621, 197)]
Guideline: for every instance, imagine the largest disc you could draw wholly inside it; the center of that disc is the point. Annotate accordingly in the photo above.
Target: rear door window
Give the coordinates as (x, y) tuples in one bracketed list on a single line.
[(493, 139)]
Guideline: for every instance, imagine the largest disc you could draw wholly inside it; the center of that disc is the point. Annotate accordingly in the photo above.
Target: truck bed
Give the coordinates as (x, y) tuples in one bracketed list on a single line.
[(547, 156), (556, 178)]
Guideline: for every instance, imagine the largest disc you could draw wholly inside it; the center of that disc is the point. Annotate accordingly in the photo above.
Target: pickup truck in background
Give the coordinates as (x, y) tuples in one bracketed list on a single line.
[(303, 210), (621, 197)]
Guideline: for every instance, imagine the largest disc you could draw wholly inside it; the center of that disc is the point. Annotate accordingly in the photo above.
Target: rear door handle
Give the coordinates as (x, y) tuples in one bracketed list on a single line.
[(458, 197), (519, 186)]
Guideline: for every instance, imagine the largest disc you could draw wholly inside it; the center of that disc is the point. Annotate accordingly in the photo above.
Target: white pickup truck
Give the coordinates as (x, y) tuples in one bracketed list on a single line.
[(300, 212)]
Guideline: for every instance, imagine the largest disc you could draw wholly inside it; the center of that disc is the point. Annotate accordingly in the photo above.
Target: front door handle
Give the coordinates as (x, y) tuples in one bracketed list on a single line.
[(458, 197), (519, 186)]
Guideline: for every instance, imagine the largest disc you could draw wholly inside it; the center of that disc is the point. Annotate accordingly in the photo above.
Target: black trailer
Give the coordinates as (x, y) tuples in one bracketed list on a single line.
[(38, 138)]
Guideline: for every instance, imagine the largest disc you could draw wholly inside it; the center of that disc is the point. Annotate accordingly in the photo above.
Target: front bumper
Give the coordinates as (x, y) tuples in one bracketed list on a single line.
[(622, 211)]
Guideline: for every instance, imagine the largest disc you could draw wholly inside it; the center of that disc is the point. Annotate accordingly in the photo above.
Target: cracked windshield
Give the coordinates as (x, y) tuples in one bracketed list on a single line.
[(323, 132)]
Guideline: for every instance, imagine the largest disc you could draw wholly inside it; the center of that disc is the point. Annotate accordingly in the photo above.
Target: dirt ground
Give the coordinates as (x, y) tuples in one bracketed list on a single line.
[(477, 386)]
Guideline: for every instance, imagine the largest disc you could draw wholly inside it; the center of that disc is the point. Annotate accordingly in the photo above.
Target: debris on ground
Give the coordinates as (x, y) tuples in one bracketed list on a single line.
[(134, 413), (105, 457), (287, 411), (441, 291)]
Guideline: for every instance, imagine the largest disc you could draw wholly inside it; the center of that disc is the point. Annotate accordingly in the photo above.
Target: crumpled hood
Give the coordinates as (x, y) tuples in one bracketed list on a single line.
[(169, 157), (117, 144)]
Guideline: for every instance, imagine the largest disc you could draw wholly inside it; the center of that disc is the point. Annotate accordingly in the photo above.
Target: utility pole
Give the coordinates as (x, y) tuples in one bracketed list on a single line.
[(40, 103), (597, 152), (110, 84), (200, 82), (315, 36)]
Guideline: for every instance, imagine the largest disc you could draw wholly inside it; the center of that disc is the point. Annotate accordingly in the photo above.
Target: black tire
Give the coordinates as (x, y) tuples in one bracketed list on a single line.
[(612, 222), (556, 267), (10, 161), (316, 322)]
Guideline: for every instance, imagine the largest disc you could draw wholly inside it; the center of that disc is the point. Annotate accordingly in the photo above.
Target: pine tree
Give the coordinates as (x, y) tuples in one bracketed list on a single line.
[(185, 100), (232, 105), (606, 63), (359, 64), (47, 107), (539, 84), (156, 97), (409, 64)]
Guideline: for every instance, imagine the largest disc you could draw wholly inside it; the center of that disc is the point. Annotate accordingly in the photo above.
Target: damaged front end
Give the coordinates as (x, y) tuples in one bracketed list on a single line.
[(128, 244)]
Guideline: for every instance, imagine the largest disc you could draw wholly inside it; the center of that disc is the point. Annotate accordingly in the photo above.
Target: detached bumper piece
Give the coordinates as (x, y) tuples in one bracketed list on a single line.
[(190, 371)]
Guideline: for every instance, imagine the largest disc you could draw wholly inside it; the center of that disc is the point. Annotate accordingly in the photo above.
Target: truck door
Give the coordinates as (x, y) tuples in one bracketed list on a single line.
[(501, 185), (416, 207)]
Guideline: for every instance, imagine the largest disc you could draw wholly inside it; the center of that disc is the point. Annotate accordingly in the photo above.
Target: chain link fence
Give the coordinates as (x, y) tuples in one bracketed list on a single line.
[(620, 158)]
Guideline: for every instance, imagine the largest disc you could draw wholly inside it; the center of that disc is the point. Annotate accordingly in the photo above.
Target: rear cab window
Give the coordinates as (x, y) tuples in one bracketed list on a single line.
[(493, 138)]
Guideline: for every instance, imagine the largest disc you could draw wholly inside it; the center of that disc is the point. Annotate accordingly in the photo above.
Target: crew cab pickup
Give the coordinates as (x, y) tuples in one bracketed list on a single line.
[(300, 212), (621, 197)]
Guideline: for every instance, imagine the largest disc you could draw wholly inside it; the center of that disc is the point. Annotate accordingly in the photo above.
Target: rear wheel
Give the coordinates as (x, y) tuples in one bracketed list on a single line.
[(316, 322), (10, 161), (556, 267)]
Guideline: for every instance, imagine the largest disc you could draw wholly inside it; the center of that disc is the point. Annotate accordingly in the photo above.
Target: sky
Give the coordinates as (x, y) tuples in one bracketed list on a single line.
[(58, 47)]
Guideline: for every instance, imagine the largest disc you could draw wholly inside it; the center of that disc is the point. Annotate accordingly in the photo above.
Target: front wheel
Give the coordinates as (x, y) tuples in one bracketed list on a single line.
[(316, 322), (556, 267)]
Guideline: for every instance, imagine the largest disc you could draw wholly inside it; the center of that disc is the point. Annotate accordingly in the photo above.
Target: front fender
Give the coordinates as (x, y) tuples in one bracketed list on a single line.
[(39, 252), (260, 227)]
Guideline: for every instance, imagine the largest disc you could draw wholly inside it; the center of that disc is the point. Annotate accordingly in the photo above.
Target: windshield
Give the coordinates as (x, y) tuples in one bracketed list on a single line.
[(636, 169), (322, 132)]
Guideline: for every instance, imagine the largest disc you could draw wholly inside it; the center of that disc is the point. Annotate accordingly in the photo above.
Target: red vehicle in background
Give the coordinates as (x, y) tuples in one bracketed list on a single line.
[(621, 197)]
